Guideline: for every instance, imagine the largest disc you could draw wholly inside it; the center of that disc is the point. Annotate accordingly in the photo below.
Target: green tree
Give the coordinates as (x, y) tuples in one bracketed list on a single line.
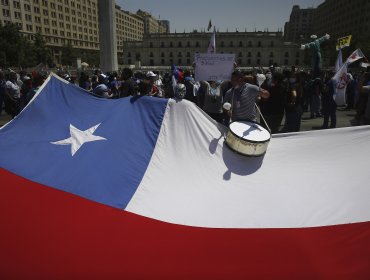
[(11, 45), (68, 55), (41, 51)]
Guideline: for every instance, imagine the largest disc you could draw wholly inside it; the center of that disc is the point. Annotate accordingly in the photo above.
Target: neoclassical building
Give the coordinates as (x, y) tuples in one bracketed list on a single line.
[(251, 49)]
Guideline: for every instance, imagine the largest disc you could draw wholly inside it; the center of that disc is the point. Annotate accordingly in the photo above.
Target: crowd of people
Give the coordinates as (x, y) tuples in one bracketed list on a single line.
[(284, 95)]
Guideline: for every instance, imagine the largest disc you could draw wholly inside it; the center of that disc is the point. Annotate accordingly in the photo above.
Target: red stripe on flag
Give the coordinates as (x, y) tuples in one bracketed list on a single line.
[(49, 234)]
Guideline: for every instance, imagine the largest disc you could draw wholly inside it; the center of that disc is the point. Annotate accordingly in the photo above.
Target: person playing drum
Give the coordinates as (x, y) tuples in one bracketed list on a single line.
[(242, 97)]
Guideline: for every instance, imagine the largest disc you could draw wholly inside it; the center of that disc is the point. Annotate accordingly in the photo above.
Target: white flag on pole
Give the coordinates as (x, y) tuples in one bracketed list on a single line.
[(356, 55), (212, 42)]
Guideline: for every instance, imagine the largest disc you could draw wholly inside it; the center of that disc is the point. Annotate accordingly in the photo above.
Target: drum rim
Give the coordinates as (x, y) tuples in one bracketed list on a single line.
[(252, 141), (246, 155)]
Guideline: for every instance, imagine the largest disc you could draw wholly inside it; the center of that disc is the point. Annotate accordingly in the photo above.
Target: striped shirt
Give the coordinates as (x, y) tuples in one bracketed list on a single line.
[(242, 101)]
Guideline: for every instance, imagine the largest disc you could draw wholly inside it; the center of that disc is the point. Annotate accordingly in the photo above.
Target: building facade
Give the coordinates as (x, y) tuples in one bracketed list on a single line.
[(343, 17), (300, 25), (251, 49), (151, 24), (130, 27), (74, 22)]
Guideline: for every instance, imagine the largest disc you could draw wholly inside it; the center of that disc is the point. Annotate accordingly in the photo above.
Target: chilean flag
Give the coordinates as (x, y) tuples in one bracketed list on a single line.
[(145, 188)]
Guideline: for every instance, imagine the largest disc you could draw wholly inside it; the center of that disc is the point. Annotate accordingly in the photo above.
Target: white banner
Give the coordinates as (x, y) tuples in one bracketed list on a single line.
[(213, 67)]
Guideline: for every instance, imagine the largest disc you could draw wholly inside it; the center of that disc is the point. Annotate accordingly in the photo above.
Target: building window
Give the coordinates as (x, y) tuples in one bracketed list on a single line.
[(171, 55), (188, 61), (259, 44), (240, 44), (272, 44), (258, 54), (151, 45), (239, 61), (258, 62), (249, 61), (180, 45), (249, 44), (188, 54), (286, 62), (196, 44), (188, 44), (249, 54), (179, 61), (231, 44), (271, 54), (162, 54), (162, 61), (162, 44), (222, 44), (151, 62), (16, 5), (171, 45), (151, 54), (286, 54), (179, 54)]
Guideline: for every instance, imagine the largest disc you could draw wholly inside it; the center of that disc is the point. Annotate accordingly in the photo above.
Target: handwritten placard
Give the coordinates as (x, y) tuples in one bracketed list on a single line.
[(213, 67)]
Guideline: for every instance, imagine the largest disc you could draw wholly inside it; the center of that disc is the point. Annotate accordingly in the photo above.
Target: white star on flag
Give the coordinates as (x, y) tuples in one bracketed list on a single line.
[(79, 137)]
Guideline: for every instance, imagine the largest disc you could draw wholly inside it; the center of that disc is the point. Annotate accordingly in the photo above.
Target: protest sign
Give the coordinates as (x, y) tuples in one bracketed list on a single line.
[(213, 67)]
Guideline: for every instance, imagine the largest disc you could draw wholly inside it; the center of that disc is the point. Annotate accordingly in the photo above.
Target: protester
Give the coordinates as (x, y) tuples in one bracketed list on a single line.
[(212, 99), (180, 91), (144, 88), (38, 80), (127, 87), (2, 90), (102, 91), (242, 97), (315, 107), (329, 107), (273, 107), (364, 90), (12, 96), (150, 78), (293, 109), (351, 91), (85, 82)]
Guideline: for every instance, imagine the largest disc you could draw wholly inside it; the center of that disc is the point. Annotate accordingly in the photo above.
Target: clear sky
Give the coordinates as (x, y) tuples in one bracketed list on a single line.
[(224, 14)]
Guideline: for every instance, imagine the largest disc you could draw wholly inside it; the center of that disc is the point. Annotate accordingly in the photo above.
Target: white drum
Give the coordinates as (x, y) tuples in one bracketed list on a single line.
[(248, 138)]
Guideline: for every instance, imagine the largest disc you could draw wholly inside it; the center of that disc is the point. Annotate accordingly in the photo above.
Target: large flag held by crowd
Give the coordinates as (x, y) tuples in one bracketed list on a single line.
[(145, 188)]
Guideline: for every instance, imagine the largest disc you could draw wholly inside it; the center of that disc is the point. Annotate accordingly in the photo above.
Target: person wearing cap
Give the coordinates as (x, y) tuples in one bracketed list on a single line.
[(150, 79), (102, 91)]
